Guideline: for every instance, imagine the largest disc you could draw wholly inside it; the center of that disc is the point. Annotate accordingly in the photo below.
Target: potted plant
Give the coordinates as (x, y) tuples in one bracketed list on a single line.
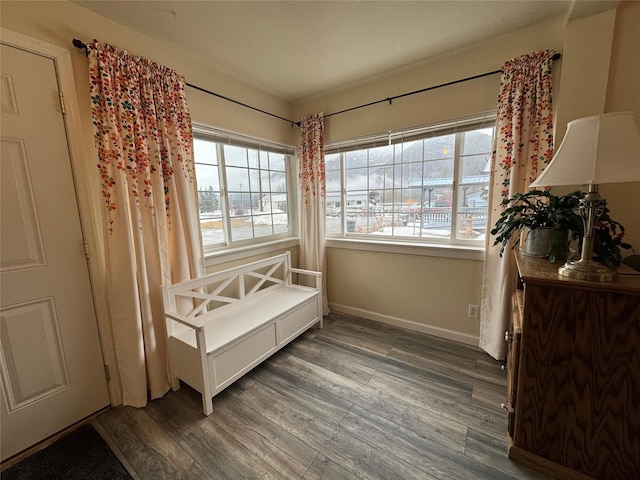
[(535, 211), (540, 210)]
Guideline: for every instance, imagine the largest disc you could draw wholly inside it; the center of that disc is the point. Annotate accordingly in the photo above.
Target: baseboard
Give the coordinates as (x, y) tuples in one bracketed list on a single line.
[(465, 338)]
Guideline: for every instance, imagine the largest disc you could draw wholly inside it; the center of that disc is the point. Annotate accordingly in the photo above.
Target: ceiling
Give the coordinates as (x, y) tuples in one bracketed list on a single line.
[(299, 49)]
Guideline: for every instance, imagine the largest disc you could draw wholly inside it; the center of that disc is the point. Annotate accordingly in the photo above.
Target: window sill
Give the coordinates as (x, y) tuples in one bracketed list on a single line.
[(464, 252), (238, 253)]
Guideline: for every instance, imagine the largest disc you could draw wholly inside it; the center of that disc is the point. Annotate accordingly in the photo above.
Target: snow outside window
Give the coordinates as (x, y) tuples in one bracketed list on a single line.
[(243, 192), (427, 184)]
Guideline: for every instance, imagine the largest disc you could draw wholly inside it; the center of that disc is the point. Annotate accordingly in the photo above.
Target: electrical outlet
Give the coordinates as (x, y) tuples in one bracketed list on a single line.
[(473, 310)]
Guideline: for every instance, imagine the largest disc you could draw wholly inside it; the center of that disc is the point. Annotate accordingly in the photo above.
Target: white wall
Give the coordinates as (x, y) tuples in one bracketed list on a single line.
[(428, 107)]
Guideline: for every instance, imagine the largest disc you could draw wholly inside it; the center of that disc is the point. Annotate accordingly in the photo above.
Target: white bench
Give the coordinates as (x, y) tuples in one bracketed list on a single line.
[(221, 325)]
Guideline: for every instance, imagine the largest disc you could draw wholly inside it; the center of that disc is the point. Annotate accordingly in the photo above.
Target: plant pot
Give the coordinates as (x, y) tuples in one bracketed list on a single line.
[(536, 242), (559, 246)]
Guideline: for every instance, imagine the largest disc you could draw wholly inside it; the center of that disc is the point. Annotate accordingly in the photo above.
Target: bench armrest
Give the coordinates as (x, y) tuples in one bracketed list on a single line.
[(312, 273), (183, 320)]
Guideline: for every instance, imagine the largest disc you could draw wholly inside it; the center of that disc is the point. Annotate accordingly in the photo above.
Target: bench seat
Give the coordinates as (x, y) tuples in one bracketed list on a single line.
[(212, 346)]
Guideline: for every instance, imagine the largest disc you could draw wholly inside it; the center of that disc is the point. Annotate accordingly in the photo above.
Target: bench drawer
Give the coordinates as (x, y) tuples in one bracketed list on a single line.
[(236, 360), (299, 319)]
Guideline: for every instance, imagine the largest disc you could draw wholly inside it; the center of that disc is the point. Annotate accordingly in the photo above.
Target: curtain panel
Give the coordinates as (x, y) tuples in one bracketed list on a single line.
[(311, 176), (144, 145), (523, 145)]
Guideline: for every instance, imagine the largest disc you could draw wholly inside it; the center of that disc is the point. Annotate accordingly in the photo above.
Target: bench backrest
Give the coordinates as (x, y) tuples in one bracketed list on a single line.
[(192, 299)]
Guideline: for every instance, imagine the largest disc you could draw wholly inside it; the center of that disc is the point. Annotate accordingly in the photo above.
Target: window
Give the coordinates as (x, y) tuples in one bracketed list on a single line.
[(427, 184), (243, 190)]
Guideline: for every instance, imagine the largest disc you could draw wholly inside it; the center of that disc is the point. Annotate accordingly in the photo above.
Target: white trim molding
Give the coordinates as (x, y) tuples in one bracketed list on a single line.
[(447, 334), (431, 250)]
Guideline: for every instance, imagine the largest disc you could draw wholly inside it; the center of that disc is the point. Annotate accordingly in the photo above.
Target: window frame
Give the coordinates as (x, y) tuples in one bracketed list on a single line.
[(221, 138), (348, 239)]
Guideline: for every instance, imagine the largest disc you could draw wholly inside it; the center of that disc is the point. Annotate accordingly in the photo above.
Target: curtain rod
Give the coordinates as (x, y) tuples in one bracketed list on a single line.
[(79, 44), (556, 56)]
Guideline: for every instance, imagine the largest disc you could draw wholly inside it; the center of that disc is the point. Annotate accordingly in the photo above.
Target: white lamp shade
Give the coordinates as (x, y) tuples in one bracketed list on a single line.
[(595, 150)]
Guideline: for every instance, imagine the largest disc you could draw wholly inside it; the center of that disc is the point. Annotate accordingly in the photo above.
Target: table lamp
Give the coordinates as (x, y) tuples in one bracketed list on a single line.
[(595, 150)]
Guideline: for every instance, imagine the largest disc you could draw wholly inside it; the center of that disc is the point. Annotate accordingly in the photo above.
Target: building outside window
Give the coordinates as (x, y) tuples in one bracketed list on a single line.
[(243, 190), (426, 184)]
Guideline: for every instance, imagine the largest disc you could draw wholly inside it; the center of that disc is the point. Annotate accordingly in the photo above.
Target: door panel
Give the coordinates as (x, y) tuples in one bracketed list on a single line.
[(33, 360), (22, 244), (50, 356)]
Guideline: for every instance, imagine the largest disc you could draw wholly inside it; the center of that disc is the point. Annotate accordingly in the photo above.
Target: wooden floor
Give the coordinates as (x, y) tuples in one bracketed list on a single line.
[(356, 399)]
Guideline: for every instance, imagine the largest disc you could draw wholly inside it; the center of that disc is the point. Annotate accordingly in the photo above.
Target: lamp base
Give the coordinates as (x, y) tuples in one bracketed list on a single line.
[(586, 270)]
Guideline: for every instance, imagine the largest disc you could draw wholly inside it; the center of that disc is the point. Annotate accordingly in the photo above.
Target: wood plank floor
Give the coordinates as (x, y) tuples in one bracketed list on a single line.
[(356, 399)]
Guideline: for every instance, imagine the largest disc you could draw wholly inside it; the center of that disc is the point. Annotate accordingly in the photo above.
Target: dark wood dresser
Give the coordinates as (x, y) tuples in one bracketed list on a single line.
[(573, 372)]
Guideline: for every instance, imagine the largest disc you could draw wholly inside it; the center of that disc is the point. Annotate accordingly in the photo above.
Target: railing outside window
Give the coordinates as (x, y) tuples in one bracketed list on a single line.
[(428, 185)]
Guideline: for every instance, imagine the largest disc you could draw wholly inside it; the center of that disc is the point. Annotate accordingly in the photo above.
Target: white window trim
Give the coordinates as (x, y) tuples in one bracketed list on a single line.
[(241, 248), (239, 253), (452, 248), (463, 252)]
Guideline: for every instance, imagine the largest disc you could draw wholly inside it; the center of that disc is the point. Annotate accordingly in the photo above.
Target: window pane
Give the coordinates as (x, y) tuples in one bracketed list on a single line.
[(264, 160), (235, 156), (205, 152), (280, 229), (332, 180), (278, 182), (406, 190), (356, 203), (357, 178), (439, 147), (381, 155), (477, 141), (212, 230), (277, 162), (436, 222), (356, 159), (209, 201), (241, 228), (252, 156), (333, 225), (255, 181), (409, 152), (472, 214), (255, 205), (207, 177), (265, 180), (332, 161), (411, 175), (209, 198), (237, 179), (474, 166), (258, 203), (439, 169)]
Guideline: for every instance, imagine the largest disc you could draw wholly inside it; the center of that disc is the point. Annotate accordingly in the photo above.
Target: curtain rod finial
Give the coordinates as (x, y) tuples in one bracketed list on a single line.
[(80, 44)]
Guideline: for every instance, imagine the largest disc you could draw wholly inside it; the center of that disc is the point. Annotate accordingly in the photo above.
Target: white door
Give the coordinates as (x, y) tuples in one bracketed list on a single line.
[(50, 358)]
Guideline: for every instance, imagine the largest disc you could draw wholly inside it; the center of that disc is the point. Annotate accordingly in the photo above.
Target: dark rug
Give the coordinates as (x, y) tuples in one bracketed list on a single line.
[(80, 455)]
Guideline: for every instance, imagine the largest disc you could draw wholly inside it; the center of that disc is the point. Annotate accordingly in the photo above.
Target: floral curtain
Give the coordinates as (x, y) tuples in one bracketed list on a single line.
[(312, 194), (144, 144), (523, 145)]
